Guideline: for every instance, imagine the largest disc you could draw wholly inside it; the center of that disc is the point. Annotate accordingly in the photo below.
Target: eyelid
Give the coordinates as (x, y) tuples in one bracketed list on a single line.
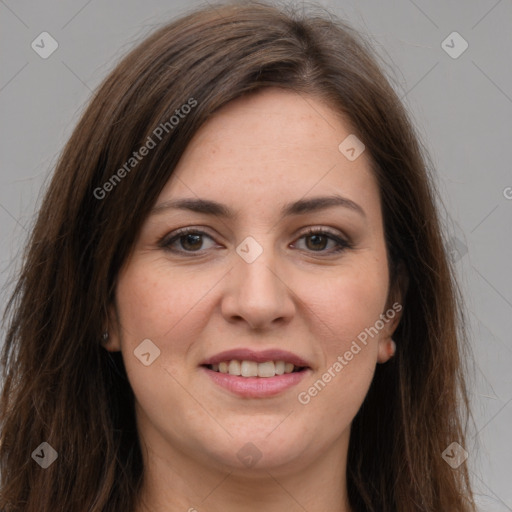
[(343, 242), (321, 229)]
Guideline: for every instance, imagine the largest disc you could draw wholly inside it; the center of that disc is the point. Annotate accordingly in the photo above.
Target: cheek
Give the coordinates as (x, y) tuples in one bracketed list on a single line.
[(344, 314), (172, 309), (350, 307), (169, 310), (349, 301), (153, 303)]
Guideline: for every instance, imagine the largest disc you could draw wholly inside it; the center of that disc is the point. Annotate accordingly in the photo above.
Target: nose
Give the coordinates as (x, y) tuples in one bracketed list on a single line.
[(257, 293)]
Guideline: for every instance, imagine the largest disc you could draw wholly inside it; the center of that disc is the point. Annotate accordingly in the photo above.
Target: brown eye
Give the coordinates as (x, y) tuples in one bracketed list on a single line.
[(191, 242), (316, 242), (186, 241), (322, 241)]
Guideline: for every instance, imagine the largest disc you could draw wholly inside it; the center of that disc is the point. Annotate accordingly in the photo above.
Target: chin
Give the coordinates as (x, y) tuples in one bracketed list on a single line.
[(258, 451)]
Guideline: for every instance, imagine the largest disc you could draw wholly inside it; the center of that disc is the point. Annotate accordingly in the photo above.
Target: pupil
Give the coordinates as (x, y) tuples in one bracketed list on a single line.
[(318, 238), (194, 239)]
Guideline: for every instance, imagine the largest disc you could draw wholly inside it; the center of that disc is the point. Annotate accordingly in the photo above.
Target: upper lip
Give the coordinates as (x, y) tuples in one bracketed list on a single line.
[(261, 356)]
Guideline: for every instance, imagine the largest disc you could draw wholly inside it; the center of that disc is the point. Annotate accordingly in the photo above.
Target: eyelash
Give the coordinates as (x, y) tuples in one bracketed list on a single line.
[(166, 242)]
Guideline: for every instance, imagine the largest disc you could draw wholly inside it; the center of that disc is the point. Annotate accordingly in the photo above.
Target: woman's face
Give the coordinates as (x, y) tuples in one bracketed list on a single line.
[(249, 289)]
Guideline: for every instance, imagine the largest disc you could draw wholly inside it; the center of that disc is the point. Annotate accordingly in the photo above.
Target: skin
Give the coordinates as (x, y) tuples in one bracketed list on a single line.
[(255, 155)]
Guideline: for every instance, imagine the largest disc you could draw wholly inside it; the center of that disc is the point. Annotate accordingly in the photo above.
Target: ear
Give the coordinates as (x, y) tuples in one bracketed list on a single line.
[(393, 313), (112, 342)]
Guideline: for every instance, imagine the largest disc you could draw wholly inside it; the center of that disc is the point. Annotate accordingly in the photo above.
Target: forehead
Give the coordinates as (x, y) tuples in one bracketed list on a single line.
[(268, 145)]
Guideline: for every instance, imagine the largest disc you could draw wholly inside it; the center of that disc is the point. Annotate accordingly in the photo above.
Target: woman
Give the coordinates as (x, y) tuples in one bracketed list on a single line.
[(236, 294)]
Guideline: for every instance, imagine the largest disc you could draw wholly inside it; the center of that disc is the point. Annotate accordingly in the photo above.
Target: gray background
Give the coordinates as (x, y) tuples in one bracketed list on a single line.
[(461, 106)]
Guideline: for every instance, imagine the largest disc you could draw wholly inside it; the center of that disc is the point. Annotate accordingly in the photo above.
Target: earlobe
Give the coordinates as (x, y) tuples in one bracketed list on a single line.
[(387, 350), (110, 337), (110, 343), (387, 346)]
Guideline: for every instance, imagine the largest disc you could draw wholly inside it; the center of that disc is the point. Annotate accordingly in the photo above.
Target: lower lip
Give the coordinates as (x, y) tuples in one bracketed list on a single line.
[(256, 387)]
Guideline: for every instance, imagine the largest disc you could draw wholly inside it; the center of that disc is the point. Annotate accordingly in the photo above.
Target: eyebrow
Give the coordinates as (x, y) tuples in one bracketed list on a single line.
[(209, 207)]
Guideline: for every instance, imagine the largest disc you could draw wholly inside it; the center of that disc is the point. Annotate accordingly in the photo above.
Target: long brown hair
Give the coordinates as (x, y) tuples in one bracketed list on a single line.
[(62, 387)]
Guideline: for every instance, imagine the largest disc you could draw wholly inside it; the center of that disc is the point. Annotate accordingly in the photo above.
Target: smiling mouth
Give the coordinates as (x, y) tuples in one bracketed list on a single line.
[(253, 369)]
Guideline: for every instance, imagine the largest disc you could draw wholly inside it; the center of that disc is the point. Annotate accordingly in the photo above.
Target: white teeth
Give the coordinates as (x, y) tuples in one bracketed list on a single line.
[(279, 367), (266, 369), (234, 367), (252, 368), (249, 369)]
